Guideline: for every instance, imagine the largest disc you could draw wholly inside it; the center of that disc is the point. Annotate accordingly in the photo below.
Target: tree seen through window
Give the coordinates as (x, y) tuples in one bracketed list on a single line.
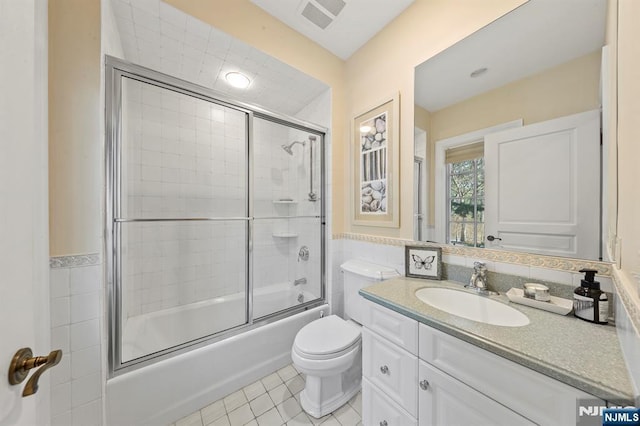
[(466, 203)]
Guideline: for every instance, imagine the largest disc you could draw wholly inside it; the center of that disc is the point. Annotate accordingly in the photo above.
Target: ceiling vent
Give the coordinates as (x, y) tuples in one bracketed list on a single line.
[(319, 17), (332, 6)]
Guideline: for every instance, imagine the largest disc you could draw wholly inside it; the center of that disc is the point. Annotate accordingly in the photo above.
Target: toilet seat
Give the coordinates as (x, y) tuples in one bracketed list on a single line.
[(325, 338)]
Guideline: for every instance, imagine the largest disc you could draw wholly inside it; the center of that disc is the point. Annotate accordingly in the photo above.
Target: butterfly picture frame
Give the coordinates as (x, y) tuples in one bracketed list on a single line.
[(423, 262)]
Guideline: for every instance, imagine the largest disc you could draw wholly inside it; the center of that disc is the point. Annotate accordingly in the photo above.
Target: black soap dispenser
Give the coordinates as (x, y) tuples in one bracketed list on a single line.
[(589, 302)]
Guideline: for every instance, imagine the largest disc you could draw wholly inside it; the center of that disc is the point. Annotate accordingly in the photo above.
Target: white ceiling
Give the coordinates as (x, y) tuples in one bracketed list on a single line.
[(358, 21), (158, 36), (536, 36)]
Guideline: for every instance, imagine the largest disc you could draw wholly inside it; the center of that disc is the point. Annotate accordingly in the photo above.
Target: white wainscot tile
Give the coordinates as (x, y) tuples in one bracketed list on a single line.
[(511, 269), (59, 282), (88, 414), (491, 266), (60, 311), (60, 338), (85, 362), (454, 259), (84, 279), (62, 373), (60, 399), (85, 389), (562, 277), (85, 307)]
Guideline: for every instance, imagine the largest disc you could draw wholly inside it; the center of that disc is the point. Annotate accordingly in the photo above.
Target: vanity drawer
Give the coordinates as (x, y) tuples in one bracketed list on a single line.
[(392, 369), (397, 328), (533, 395), (378, 409)]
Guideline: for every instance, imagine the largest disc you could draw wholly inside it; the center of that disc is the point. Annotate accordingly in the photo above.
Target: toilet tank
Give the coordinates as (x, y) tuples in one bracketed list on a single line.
[(358, 274)]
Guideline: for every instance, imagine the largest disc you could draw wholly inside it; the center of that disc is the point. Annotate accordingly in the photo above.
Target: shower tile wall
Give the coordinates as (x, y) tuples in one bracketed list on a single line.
[(185, 158), (76, 315), (282, 186)]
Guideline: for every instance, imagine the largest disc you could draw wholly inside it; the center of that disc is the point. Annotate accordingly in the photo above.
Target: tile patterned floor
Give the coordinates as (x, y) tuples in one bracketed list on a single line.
[(273, 400)]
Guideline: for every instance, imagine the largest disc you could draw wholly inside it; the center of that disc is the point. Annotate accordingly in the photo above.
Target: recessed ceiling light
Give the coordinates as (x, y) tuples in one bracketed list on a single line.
[(237, 79), (478, 72)]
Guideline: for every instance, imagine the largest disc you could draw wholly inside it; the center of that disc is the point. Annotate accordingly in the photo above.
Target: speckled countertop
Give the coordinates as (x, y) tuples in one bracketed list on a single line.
[(581, 354)]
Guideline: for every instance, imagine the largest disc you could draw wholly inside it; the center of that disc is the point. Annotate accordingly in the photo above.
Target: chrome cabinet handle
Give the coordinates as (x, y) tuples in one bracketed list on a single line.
[(384, 369), (424, 384), (383, 423)]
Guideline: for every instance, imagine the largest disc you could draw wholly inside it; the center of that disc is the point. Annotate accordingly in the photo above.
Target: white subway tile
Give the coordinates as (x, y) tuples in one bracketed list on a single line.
[(59, 282), (85, 307), (85, 279), (60, 311), (88, 414), (85, 389), (60, 338), (85, 362), (60, 399), (491, 266), (511, 269), (62, 372), (84, 334), (562, 277), (63, 419), (454, 259)]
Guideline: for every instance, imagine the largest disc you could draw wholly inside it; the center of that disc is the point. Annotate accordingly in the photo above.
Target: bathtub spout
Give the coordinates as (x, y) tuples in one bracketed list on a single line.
[(300, 281)]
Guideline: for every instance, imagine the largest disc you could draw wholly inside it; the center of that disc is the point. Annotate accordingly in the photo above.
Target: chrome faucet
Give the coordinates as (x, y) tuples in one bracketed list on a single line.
[(300, 281), (478, 281)]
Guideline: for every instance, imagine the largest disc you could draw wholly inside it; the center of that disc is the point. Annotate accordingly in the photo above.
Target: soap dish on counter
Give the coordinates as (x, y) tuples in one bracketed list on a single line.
[(557, 305)]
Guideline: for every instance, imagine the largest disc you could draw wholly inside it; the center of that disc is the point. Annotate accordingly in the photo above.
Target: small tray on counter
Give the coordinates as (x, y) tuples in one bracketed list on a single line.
[(557, 305)]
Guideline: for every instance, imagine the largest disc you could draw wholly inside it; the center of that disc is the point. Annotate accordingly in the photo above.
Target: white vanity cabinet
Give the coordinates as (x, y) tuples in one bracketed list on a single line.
[(389, 368), (414, 374), (447, 401)]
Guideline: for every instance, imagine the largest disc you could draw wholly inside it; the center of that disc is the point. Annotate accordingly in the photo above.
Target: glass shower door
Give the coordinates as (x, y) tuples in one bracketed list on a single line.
[(288, 222), (180, 218)]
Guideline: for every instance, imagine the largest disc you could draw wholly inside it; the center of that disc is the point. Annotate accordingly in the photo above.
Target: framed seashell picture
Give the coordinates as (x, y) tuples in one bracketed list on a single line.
[(375, 159)]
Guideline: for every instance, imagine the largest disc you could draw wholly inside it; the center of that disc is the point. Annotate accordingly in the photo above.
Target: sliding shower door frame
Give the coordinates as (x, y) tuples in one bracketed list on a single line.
[(115, 70)]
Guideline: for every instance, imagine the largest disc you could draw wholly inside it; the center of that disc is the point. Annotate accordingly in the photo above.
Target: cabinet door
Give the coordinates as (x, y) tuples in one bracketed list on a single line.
[(449, 402), (395, 327), (378, 409), (535, 396), (390, 368)]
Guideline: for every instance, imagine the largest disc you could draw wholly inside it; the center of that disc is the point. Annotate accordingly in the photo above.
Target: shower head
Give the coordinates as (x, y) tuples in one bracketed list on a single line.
[(288, 148)]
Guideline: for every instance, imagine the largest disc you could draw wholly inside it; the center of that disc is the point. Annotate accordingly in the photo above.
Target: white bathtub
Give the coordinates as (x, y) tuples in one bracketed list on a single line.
[(172, 388), (145, 334)]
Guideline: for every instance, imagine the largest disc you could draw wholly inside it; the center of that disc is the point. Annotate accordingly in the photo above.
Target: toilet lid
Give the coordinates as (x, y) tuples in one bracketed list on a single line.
[(326, 336)]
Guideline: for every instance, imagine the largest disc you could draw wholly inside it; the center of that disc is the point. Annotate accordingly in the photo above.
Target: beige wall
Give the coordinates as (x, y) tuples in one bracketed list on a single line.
[(567, 89), (247, 22), (629, 139), (385, 65), (75, 147)]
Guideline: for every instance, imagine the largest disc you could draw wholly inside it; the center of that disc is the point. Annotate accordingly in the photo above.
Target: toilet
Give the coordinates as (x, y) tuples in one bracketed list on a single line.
[(328, 350)]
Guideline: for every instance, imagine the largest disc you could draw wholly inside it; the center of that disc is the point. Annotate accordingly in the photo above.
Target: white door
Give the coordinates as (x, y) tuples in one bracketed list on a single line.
[(24, 295), (543, 187)]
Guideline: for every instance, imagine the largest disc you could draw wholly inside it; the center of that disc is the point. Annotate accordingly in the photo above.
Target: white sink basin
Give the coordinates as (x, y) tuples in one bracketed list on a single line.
[(472, 306)]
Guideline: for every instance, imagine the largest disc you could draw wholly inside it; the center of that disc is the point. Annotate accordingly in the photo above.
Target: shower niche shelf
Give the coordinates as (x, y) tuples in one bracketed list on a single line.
[(285, 235)]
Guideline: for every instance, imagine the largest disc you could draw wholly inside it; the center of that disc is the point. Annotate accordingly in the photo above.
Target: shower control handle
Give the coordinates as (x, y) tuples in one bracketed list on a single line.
[(383, 423), (303, 254), (384, 369)]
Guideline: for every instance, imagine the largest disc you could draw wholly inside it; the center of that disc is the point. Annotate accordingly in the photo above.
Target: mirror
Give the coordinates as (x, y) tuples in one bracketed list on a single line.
[(507, 134)]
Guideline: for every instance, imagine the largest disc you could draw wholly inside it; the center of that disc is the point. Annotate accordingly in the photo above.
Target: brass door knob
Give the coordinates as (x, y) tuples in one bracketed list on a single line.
[(23, 361)]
